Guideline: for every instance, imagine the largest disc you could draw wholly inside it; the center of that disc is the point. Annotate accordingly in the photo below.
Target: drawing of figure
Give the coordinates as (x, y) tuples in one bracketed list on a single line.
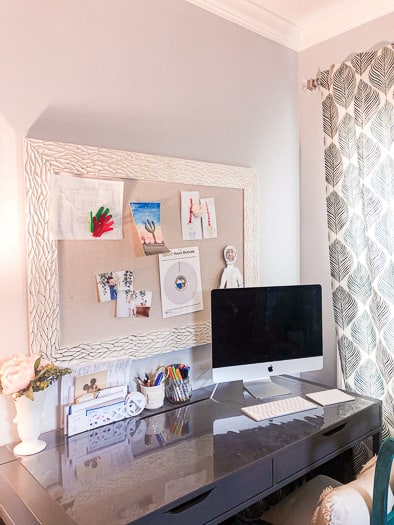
[(231, 276), (132, 305), (92, 387), (113, 285)]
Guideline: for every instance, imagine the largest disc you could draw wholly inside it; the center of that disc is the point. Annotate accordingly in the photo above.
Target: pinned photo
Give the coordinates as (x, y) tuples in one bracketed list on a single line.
[(110, 283), (133, 303)]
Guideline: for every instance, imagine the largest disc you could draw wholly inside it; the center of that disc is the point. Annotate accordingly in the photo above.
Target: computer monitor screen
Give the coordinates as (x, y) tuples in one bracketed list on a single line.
[(263, 331)]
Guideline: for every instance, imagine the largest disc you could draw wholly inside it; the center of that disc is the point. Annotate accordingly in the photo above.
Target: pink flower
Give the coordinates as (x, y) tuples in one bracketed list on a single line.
[(16, 373)]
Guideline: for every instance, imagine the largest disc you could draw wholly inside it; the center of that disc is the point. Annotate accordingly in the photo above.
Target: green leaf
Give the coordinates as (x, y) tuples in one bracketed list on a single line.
[(359, 283), (363, 333), (337, 212), (355, 235), (361, 61), (347, 136), (330, 116), (333, 165), (385, 363), (351, 186), (368, 153), (382, 125), (388, 335), (37, 364), (350, 356), (382, 180), (379, 310), (366, 103), (345, 307), (368, 380), (344, 85), (341, 260), (381, 74)]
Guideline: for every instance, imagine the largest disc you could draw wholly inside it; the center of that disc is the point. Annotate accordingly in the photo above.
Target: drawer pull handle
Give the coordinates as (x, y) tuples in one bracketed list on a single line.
[(334, 430), (190, 503)]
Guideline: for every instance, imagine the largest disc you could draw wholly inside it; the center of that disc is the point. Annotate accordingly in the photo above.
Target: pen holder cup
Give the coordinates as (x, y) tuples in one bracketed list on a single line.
[(154, 396), (178, 391)]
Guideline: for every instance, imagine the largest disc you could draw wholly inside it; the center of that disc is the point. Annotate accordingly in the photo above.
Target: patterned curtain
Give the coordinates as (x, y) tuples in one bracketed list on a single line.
[(358, 122)]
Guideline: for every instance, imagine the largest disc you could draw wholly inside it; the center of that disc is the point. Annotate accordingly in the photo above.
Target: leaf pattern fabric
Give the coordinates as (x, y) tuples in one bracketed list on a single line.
[(358, 126), (365, 104)]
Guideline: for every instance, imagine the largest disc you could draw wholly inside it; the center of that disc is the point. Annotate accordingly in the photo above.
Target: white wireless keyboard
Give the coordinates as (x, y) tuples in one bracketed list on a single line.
[(280, 407)]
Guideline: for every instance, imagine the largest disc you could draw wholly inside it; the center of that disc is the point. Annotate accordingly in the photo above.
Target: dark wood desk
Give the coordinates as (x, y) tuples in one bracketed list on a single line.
[(197, 464)]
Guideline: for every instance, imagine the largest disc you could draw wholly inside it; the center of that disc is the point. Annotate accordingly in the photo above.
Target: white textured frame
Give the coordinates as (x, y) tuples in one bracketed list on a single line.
[(43, 158)]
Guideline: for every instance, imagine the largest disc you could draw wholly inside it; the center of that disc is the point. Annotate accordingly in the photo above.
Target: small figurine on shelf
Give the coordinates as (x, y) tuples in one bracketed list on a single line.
[(231, 276)]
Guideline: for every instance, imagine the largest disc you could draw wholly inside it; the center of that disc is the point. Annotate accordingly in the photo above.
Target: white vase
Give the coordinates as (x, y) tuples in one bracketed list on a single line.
[(28, 420)]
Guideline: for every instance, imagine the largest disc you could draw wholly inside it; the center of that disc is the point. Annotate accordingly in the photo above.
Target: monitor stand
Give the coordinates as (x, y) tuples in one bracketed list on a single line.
[(230, 392), (264, 388)]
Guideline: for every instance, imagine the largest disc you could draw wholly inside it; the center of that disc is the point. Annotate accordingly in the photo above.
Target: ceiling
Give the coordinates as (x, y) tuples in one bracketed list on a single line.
[(298, 24)]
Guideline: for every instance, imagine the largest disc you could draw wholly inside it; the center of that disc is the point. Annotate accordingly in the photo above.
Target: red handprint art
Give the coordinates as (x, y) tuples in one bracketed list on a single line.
[(101, 222)]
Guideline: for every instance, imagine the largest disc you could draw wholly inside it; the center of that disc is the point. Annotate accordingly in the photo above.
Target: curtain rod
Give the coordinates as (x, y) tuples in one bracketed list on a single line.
[(310, 84)]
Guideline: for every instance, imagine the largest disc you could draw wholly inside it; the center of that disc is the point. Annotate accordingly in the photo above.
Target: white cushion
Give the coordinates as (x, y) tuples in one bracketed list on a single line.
[(297, 508), (341, 506), (324, 501)]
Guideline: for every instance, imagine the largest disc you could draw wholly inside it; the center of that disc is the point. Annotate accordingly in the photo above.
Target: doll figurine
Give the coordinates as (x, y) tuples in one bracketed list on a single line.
[(231, 276)]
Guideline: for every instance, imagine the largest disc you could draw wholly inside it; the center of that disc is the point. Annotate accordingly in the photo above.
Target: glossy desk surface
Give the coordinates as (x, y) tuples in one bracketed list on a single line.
[(125, 471)]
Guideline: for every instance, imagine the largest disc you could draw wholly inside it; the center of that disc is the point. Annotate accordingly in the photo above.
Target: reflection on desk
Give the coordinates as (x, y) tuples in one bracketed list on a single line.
[(243, 422), (103, 463), (196, 462)]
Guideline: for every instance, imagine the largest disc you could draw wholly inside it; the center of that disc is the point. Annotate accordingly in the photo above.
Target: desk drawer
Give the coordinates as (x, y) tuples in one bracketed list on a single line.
[(224, 496), (303, 455)]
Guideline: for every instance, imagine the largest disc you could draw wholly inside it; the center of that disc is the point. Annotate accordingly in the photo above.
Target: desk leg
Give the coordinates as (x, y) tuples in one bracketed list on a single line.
[(376, 442)]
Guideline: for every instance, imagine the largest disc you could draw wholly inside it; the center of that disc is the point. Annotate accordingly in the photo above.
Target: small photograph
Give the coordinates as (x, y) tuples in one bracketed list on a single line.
[(133, 304), (143, 301), (110, 283), (146, 217), (89, 384)]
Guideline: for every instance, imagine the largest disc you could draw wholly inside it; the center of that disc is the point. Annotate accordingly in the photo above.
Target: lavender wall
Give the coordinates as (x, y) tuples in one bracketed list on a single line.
[(155, 76)]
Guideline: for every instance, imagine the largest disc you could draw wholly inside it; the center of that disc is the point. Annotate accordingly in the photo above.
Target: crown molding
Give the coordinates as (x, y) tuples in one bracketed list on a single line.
[(352, 14), (321, 26), (254, 17)]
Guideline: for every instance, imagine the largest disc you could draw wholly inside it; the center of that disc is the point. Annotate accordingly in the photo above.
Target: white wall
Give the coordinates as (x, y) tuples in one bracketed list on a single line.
[(13, 321), (314, 244), (154, 76)]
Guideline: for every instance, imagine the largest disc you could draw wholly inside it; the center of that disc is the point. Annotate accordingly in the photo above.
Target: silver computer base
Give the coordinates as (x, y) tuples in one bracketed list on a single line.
[(264, 388)]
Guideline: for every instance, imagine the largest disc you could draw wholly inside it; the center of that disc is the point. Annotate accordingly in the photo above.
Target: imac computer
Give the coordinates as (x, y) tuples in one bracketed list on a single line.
[(260, 332)]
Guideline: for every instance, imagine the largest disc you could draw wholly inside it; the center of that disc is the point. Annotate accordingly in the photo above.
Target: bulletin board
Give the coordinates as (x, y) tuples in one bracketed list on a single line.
[(66, 320)]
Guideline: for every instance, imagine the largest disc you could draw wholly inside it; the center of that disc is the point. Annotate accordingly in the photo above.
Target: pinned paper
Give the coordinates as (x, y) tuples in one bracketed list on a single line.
[(180, 282), (191, 215), (73, 200), (110, 283), (209, 226), (146, 217)]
